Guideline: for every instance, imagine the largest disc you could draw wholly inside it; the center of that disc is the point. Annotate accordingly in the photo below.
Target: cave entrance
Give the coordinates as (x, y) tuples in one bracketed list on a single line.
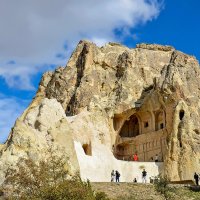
[(87, 149), (130, 127), (181, 114), (122, 152)]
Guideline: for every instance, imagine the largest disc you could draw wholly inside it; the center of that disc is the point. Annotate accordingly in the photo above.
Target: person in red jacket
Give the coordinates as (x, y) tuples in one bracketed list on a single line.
[(135, 157)]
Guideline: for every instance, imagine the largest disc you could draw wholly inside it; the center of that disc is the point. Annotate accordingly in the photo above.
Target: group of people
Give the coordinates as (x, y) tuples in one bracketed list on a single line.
[(135, 158), (115, 175)]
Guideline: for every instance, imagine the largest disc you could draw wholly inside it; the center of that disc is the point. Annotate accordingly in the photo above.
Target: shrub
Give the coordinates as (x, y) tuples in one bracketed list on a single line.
[(30, 178), (47, 179), (162, 186)]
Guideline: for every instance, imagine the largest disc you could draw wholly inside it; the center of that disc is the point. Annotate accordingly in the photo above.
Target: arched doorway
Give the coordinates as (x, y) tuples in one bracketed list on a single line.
[(87, 149), (130, 127)]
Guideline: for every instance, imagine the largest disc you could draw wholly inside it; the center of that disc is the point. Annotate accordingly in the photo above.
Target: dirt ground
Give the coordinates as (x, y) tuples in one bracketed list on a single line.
[(138, 191)]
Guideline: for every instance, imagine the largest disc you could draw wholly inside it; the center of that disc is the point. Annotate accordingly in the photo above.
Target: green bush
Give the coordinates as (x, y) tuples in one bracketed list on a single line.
[(162, 186), (48, 179)]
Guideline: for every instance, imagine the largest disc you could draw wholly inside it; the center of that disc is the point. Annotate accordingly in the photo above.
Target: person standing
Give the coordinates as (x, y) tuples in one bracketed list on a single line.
[(117, 175), (156, 158), (135, 157), (196, 178), (144, 176), (112, 176)]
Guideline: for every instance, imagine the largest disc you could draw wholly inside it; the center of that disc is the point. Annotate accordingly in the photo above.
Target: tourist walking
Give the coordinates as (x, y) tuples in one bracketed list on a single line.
[(112, 176), (196, 178), (144, 176), (117, 175), (134, 180)]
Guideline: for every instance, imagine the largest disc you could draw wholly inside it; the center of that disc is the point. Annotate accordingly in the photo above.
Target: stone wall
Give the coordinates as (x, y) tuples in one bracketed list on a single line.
[(146, 146), (98, 167), (149, 134)]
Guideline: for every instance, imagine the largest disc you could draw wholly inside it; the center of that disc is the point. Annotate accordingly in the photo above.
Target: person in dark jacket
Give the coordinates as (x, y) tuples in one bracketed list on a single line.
[(144, 176), (134, 180), (196, 178), (117, 175)]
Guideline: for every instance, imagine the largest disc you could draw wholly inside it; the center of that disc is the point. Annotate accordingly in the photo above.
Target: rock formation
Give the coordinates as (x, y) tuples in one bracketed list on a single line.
[(108, 103)]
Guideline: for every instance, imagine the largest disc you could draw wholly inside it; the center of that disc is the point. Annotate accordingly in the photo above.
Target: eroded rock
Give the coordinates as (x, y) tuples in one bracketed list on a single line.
[(110, 102)]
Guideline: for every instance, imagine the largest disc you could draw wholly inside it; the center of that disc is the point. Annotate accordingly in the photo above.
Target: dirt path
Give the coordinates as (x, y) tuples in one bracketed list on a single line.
[(136, 191)]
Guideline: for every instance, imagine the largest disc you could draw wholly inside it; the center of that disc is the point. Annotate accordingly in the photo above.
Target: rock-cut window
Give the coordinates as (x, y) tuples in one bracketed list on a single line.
[(146, 124), (181, 114)]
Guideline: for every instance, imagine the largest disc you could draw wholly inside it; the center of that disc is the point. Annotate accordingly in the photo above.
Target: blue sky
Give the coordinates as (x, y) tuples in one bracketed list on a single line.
[(37, 36), (177, 25)]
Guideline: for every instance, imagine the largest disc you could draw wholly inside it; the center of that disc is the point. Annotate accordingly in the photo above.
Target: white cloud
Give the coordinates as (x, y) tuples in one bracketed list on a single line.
[(34, 35), (33, 32), (99, 41), (10, 109), (18, 76)]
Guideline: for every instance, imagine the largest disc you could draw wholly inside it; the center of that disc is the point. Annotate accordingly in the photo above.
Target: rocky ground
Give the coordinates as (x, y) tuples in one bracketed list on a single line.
[(131, 191)]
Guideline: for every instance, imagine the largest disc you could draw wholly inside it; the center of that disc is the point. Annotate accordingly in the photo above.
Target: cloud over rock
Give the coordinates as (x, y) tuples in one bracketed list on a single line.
[(35, 32)]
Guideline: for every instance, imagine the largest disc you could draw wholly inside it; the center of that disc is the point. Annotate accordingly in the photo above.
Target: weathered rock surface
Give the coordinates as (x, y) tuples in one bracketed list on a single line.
[(91, 100)]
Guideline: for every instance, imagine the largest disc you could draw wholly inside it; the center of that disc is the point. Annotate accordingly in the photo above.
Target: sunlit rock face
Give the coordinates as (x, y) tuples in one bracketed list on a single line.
[(110, 102)]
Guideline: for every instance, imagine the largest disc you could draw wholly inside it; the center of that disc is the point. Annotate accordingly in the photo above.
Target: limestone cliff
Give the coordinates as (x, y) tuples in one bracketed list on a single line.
[(111, 102)]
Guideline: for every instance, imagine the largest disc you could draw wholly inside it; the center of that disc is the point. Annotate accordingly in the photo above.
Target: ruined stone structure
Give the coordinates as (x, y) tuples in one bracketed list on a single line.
[(110, 102)]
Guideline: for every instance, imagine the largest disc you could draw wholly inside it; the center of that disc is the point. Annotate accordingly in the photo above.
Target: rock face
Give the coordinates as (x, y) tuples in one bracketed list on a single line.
[(109, 103)]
